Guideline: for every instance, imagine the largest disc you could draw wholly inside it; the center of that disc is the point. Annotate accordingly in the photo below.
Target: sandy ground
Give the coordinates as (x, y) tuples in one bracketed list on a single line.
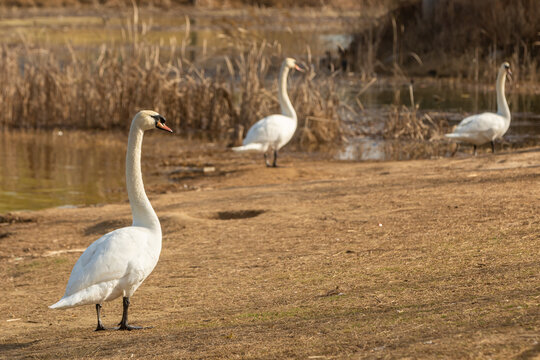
[(314, 260)]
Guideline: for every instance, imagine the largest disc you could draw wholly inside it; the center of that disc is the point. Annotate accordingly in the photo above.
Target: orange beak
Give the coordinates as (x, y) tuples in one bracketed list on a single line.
[(299, 68), (161, 126)]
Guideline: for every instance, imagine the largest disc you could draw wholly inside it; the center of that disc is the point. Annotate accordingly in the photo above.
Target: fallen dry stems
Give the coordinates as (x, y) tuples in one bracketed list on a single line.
[(408, 124)]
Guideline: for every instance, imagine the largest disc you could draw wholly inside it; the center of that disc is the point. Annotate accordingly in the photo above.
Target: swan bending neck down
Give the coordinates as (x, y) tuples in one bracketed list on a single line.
[(118, 262), (482, 128), (274, 131)]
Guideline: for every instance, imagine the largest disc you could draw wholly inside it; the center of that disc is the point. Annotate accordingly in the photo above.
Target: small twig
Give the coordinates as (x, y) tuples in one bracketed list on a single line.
[(58, 252), (367, 86), (411, 94), (317, 119)]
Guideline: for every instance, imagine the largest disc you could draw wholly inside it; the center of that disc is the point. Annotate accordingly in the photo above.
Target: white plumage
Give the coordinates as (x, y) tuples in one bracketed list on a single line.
[(479, 129), (482, 128), (117, 263), (112, 266), (274, 131)]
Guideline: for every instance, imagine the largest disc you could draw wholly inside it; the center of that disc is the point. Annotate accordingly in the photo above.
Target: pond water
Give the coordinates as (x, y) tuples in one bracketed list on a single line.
[(54, 168)]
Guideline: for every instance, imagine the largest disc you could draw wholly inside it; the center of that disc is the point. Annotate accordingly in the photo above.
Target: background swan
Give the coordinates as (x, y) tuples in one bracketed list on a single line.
[(118, 262), (482, 128), (274, 131)]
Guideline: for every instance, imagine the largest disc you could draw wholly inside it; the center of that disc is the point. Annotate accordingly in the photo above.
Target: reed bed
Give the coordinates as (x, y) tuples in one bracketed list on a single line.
[(406, 124), (44, 88)]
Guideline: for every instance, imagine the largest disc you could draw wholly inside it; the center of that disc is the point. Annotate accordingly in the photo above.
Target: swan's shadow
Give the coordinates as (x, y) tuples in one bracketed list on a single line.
[(531, 353), (16, 346), (106, 226)]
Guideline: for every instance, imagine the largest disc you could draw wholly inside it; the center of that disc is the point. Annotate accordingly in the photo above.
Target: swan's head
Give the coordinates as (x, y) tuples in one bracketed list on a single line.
[(505, 68), (148, 119), (291, 64)]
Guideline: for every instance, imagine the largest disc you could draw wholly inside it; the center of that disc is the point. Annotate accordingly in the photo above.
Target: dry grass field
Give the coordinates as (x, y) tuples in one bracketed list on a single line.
[(317, 259)]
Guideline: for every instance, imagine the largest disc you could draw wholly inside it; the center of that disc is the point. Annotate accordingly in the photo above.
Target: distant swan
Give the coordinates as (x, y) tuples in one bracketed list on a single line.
[(482, 128), (274, 131), (118, 262)]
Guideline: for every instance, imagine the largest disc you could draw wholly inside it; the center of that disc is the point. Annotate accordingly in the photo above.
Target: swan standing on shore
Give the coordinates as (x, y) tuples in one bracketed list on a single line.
[(482, 128), (118, 262), (274, 131)]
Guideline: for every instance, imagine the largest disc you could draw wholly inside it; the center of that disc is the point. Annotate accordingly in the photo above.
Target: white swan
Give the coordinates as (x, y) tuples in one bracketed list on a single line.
[(274, 131), (482, 128), (118, 262)]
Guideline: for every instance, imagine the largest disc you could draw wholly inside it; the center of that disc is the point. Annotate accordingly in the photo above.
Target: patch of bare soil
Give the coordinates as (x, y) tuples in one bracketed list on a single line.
[(314, 260)]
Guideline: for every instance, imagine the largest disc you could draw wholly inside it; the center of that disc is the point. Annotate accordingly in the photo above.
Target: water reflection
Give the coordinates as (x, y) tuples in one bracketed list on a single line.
[(372, 149), (447, 96), (47, 169), (363, 149)]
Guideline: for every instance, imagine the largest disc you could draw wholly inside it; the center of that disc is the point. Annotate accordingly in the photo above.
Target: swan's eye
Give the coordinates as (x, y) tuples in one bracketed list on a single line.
[(159, 119)]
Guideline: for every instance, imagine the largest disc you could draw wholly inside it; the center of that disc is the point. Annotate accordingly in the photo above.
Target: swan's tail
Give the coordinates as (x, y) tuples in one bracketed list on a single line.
[(61, 304), (91, 295), (249, 147), (76, 299), (456, 136)]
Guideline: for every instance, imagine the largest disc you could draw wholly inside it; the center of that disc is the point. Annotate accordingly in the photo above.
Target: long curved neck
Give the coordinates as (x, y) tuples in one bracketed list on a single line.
[(502, 105), (284, 101), (143, 214)]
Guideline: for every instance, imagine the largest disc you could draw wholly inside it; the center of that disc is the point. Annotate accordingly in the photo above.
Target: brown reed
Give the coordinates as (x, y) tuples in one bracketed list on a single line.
[(45, 88), (405, 123)]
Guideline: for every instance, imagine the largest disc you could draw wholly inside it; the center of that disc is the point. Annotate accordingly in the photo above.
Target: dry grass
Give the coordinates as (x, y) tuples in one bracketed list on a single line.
[(411, 135), (408, 124), (251, 262)]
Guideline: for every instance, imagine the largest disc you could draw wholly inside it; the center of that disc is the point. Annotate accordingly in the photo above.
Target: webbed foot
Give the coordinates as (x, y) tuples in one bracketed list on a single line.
[(100, 327), (132, 327)]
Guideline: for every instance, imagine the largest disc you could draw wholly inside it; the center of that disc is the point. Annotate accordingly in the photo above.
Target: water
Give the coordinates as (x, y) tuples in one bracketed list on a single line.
[(49, 169)]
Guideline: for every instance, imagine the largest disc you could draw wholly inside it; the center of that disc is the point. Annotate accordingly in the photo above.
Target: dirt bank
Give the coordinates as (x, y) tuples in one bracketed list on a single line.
[(317, 259)]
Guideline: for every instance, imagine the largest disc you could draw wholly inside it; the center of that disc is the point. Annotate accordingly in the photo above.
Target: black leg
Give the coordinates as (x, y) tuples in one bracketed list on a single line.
[(266, 160), (99, 323), (275, 159), (124, 323), (474, 150), (492, 147)]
